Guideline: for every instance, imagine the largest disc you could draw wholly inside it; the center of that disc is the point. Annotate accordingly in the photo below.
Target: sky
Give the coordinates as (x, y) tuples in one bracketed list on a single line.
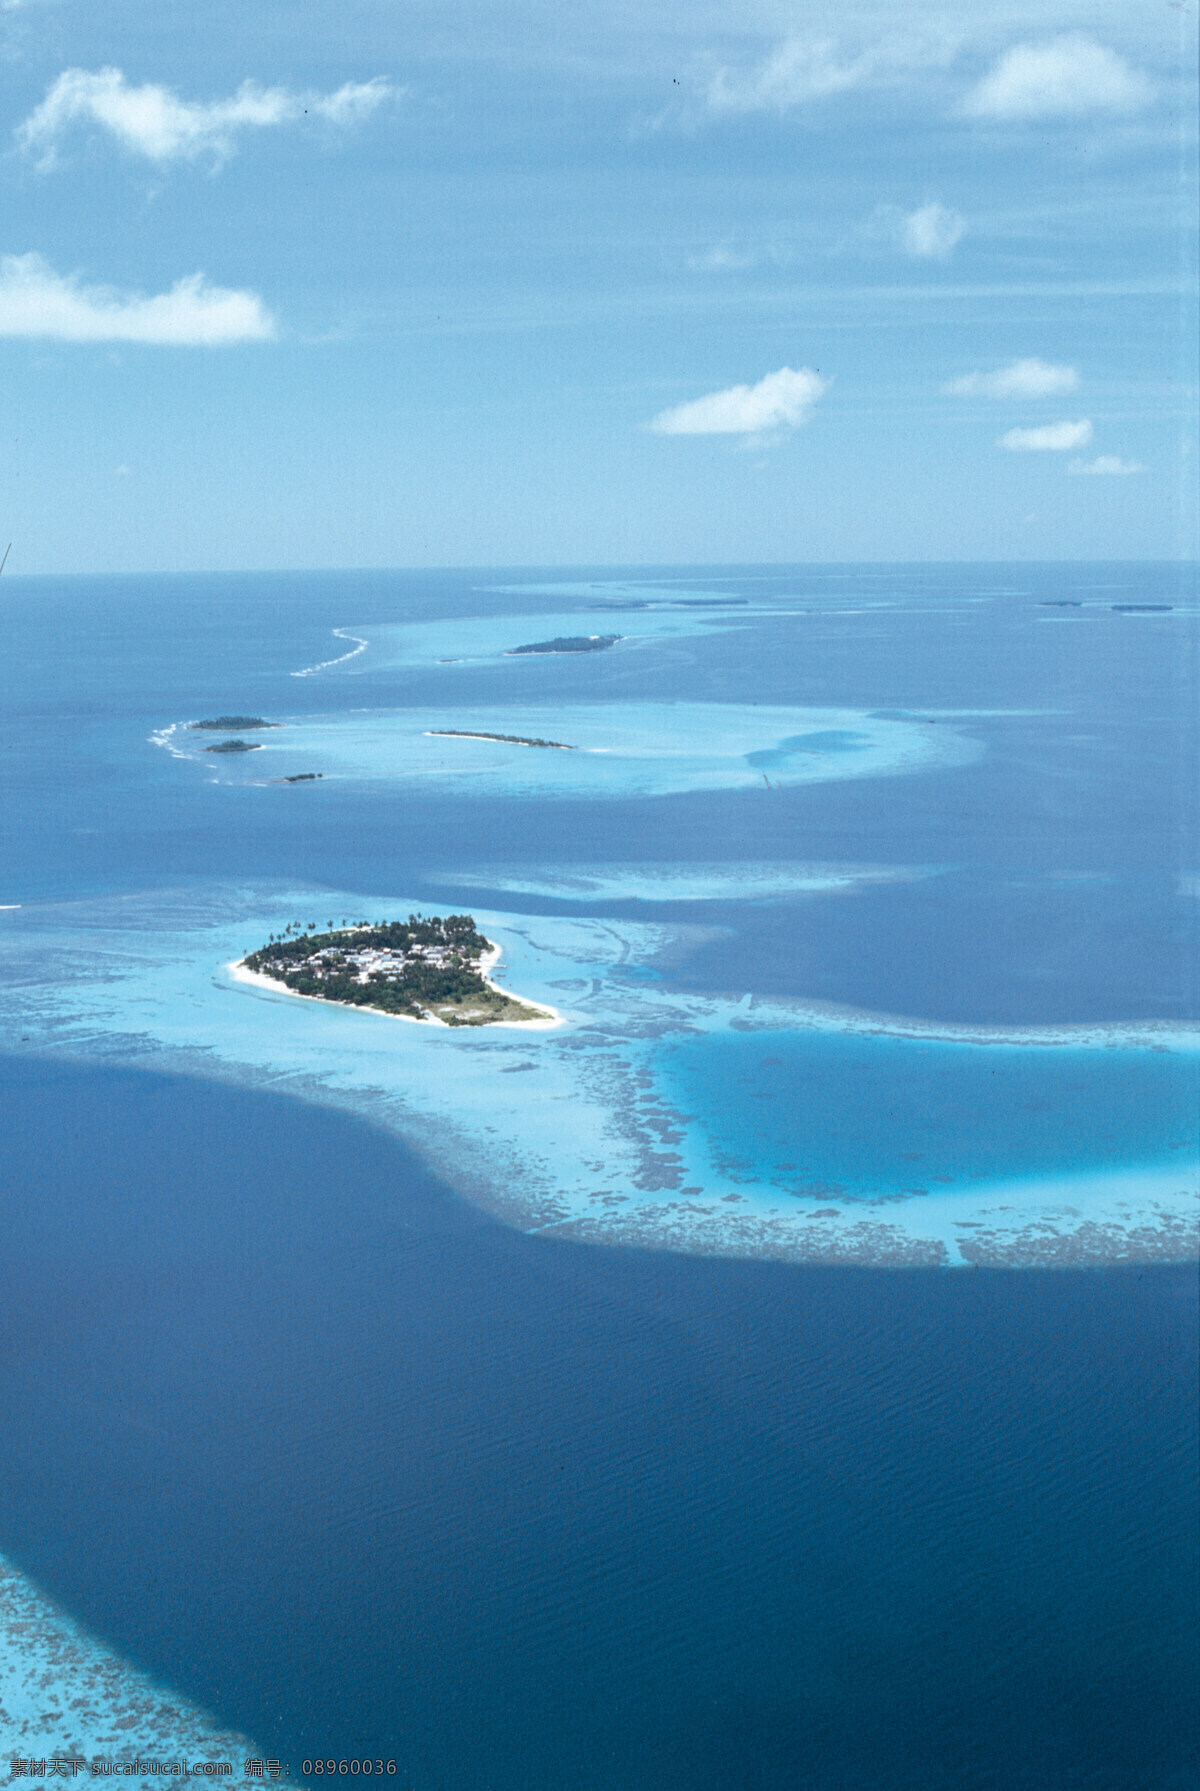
[(396, 283)]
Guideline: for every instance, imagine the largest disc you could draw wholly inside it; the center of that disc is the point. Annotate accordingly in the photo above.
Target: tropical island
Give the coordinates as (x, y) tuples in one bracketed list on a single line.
[(419, 969), (507, 739), (223, 724), (236, 746), (567, 643)]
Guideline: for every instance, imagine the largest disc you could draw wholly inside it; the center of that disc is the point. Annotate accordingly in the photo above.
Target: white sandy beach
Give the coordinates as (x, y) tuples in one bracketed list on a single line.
[(240, 973), (496, 739)]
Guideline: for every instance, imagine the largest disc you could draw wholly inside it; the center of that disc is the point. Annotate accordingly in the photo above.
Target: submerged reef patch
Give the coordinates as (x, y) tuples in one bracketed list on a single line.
[(70, 1705)]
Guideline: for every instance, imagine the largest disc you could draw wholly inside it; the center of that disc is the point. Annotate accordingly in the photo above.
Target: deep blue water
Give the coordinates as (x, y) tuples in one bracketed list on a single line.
[(824, 740), (364, 1471), (367, 1472)]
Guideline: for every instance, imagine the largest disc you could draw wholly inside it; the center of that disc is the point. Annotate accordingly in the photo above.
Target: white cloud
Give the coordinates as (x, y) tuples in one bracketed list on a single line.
[(1051, 437), (1062, 78), (1029, 378), (781, 400), (722, 260), (1106, 464), (932, 231), (352, 102), (797, 71), (35, 301), (154, 122)]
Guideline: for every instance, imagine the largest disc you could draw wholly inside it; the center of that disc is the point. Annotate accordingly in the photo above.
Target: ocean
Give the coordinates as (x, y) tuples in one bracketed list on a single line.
[(782, 1372)]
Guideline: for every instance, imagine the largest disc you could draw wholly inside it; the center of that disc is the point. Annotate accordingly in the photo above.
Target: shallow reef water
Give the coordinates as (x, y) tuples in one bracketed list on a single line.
[(629, 749), (714, 1123)]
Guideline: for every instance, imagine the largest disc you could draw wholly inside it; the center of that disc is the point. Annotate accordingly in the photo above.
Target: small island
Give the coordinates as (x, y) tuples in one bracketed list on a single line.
[(567, 643), (506, 739), (419, 969), (236, 746), (224, 724)]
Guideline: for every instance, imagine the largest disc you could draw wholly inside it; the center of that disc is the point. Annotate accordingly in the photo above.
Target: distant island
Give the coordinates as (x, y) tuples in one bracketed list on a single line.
[(223, 723), (1142, 608), (300, 777), (508, 739), (236, 746), (418, 969), (567, 643)]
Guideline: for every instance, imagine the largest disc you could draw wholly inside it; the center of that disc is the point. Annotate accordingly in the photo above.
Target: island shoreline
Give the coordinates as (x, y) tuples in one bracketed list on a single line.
[(240, 973)]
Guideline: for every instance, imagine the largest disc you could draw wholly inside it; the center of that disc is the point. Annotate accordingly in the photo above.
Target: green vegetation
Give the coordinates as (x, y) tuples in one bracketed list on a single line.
[(235, 746), (508, 739), (568, 643), (422, 968), (223, 723)]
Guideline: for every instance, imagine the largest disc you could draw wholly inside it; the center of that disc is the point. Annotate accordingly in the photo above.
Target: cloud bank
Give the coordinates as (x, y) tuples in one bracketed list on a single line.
[(782, 400), (35, 301), (1029, 378), (154, 122), (1050, 438), (1064, 78)]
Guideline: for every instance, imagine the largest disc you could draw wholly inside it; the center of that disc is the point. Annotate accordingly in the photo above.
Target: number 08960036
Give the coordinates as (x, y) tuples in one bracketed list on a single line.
[(317, 1769)]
